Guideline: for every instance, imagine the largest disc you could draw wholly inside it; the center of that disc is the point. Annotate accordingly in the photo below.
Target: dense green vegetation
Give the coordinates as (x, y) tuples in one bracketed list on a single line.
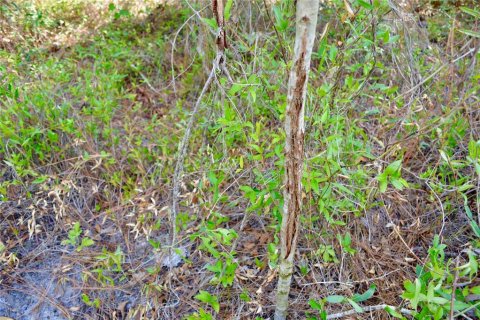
[(95, 97)]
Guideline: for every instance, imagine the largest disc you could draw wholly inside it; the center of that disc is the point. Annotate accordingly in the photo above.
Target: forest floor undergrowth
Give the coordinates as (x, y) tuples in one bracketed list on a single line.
[(95, 98)]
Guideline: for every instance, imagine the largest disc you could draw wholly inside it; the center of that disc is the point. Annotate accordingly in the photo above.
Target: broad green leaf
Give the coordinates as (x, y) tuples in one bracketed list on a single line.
[(467, 207), (364, 296), (471, 12), (465, 187), (253, 93), (394, 313), (438, 314), (211, 22), (205, 296), (39, 180), (475, 228), (325, 115), (365, 4), (323, 315), (343, 188), (86, 242), (383, 186), (444, 156), (393, 167), (403, 182), (315, 305), (416, 297), (459, 305), (473, 149), (277, 12), (228, 10), (235, 88), (315, 186), (430, 292), (332, 53), (217, 267), (470, 33), (397, 184), (475, 290), (335, 299), (439, 300), (355, 306), (213, 178)]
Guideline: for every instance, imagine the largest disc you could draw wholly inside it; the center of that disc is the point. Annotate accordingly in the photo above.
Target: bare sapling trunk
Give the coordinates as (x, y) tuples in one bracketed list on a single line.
[(306, 21)]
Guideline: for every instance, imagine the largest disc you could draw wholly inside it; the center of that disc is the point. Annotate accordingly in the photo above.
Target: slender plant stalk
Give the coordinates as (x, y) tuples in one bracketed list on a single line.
[(218, 64), (306, 21), (182, 150)]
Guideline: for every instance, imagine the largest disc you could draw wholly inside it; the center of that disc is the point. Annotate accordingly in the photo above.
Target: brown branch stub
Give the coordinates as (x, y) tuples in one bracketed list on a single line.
[(218, 12)]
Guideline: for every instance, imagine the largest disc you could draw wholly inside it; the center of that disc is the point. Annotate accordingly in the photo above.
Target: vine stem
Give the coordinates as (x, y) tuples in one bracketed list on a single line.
[(182, 150)]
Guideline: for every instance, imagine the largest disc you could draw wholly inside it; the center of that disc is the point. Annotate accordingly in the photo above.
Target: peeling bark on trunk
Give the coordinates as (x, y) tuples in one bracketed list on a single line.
[(306, 21)]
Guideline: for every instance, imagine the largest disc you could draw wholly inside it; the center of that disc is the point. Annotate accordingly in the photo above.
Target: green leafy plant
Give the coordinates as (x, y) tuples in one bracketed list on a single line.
[(92, 106), (354, 301), (346, 242), (392, 174), (74, 238), (475, 14), (206, 297), (225, 265), (112, 260), (430, 294), (91, 303), (200, 315), (327, 253)]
